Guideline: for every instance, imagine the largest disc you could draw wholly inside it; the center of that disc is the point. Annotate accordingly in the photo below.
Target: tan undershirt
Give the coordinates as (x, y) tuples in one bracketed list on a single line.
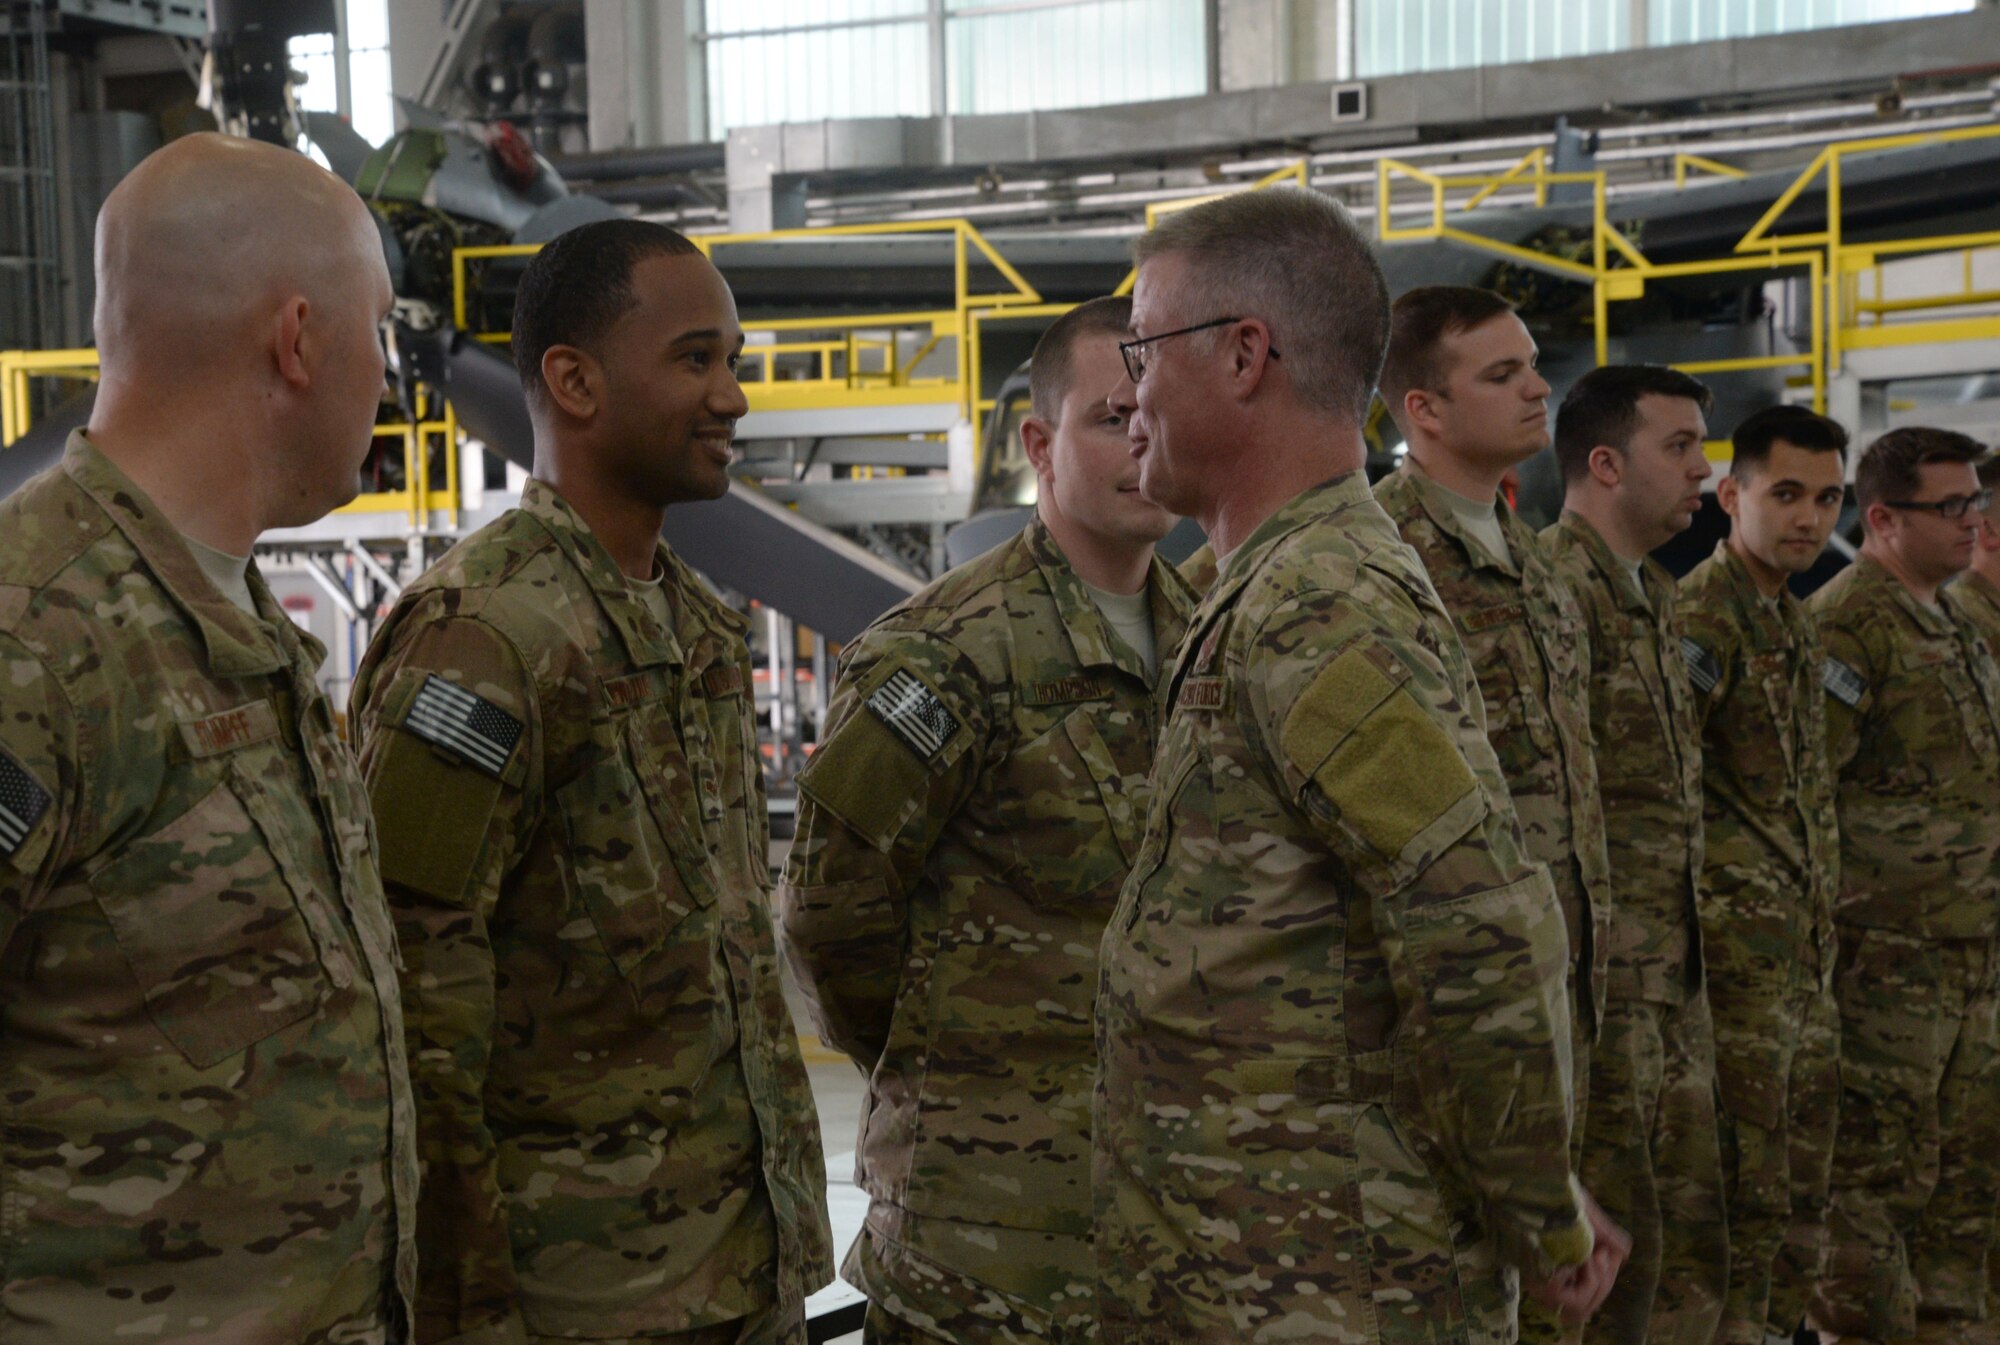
[(230, 574)]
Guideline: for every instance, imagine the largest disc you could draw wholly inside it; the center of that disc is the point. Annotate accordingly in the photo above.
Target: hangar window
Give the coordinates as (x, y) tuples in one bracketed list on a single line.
[(1393, 37), (348, 72), (772, 61)]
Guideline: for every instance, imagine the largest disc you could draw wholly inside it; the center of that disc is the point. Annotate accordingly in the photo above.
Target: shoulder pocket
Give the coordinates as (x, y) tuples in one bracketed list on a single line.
[(212, 930)]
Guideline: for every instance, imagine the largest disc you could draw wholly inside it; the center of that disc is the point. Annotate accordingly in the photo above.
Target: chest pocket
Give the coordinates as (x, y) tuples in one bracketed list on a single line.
[(1070, 815), (620, 818), (1513, 684), (213, 928)]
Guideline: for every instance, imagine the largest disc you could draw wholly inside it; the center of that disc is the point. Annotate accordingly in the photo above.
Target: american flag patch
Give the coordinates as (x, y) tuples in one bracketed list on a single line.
[(1703, 670), (1842, 682), (22, 803), (913, 713), (462, 723)]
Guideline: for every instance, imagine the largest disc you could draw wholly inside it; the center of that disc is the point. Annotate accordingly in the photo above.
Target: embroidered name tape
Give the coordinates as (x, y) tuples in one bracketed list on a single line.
[(466, 725), (1703, 669), (1842, 683), (22, 803), (1203, 693), (913, 713)]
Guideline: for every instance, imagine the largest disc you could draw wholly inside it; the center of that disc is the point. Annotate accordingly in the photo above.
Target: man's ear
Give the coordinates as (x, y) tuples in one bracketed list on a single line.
[(291, 345), (575, 381), (1250, 354), (1038, 442), (1607, 466), (1420, 409), (1727, 493), (1880, 518)]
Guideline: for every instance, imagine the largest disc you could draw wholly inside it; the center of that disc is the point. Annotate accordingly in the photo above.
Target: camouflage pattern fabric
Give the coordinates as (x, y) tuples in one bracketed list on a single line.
[(1334, 1095), (616, 1126), (963, 832), (1979, 600), (777, 1326), (1913, 729), (1199, 568), (209, 1127), (1772, 863), (1525, 635), (1651, 1151)]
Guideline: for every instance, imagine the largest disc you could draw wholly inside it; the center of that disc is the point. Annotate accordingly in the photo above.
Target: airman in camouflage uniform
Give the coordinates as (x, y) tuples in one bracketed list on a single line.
[(1979, 590), (1334, 1096), (1650, 1149), (1913, 726), (209, 1133), (951, 880), (1771, 859), (618, 1134), (1460, 382)]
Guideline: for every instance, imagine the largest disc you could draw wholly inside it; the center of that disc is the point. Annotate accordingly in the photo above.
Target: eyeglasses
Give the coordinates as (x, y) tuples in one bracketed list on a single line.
[(1134, 351), (1957, 507)]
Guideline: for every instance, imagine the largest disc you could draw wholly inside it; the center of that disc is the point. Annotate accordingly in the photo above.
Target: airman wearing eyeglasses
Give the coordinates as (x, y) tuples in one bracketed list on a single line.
[(1913, 732), (1979, 590)]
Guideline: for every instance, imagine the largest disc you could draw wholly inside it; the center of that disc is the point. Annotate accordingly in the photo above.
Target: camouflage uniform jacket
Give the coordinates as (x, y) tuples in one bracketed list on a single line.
[(1200, 567), (950, 882), (1980, 599), (614, 1117), (1642, 717), (209, 1129), (1525, 635), (1771, 844), (1913, 727), (1335, 1086)]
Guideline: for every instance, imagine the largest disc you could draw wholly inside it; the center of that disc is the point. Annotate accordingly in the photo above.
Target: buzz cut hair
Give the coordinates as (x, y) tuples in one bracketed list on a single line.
[(1296, 259), (1419, 322), (578, 286), (1795, 425), (1602, 407), (1892, 468), (1054, 360)]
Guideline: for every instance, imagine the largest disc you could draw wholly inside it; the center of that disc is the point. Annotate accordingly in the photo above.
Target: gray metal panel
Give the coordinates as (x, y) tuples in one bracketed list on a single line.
[(180, 18), (920, 418)]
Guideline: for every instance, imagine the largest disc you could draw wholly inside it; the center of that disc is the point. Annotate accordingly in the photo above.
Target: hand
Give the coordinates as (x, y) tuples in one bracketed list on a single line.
[(1576, 1292)]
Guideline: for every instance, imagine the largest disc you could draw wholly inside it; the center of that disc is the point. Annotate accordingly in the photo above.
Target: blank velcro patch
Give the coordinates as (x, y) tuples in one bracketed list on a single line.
[(1376, 754), (1703, 669), (1842, 683), (913, 712), (466, 725), (22, 803)]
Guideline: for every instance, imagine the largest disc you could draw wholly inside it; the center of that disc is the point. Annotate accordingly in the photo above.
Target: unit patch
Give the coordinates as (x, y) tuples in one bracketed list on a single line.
[(22, 803), (464, 724), (1703, 670), (913, 713), (1842, 683)]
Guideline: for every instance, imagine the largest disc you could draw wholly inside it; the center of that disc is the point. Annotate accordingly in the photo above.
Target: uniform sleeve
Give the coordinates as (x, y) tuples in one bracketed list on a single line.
[(1849, 677), (901, 752), (452, 812), (1373, 726), (39, 770), (1713, 657)]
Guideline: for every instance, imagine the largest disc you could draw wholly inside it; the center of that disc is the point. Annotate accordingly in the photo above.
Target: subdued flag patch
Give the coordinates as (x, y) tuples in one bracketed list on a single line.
[(1843, 683), (913, 713), (22, 803), (467, 725), (1703, 670)]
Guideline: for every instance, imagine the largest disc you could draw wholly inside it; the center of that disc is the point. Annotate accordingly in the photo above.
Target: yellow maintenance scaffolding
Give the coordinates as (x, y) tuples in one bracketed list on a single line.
[(880, 360)]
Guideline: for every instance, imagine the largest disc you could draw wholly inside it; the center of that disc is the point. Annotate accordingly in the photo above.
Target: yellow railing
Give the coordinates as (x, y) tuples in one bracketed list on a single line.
[(417, 499), (826, 362), (1531, 171)]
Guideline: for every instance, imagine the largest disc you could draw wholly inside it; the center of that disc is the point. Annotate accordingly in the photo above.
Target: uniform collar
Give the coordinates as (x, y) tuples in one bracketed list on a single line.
[(1766, 622), (647, 642), (1979, 585), (1347, 491), (1090, 635), (1646, 595), (235, 643), (1933, 621), (1439, 505)]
